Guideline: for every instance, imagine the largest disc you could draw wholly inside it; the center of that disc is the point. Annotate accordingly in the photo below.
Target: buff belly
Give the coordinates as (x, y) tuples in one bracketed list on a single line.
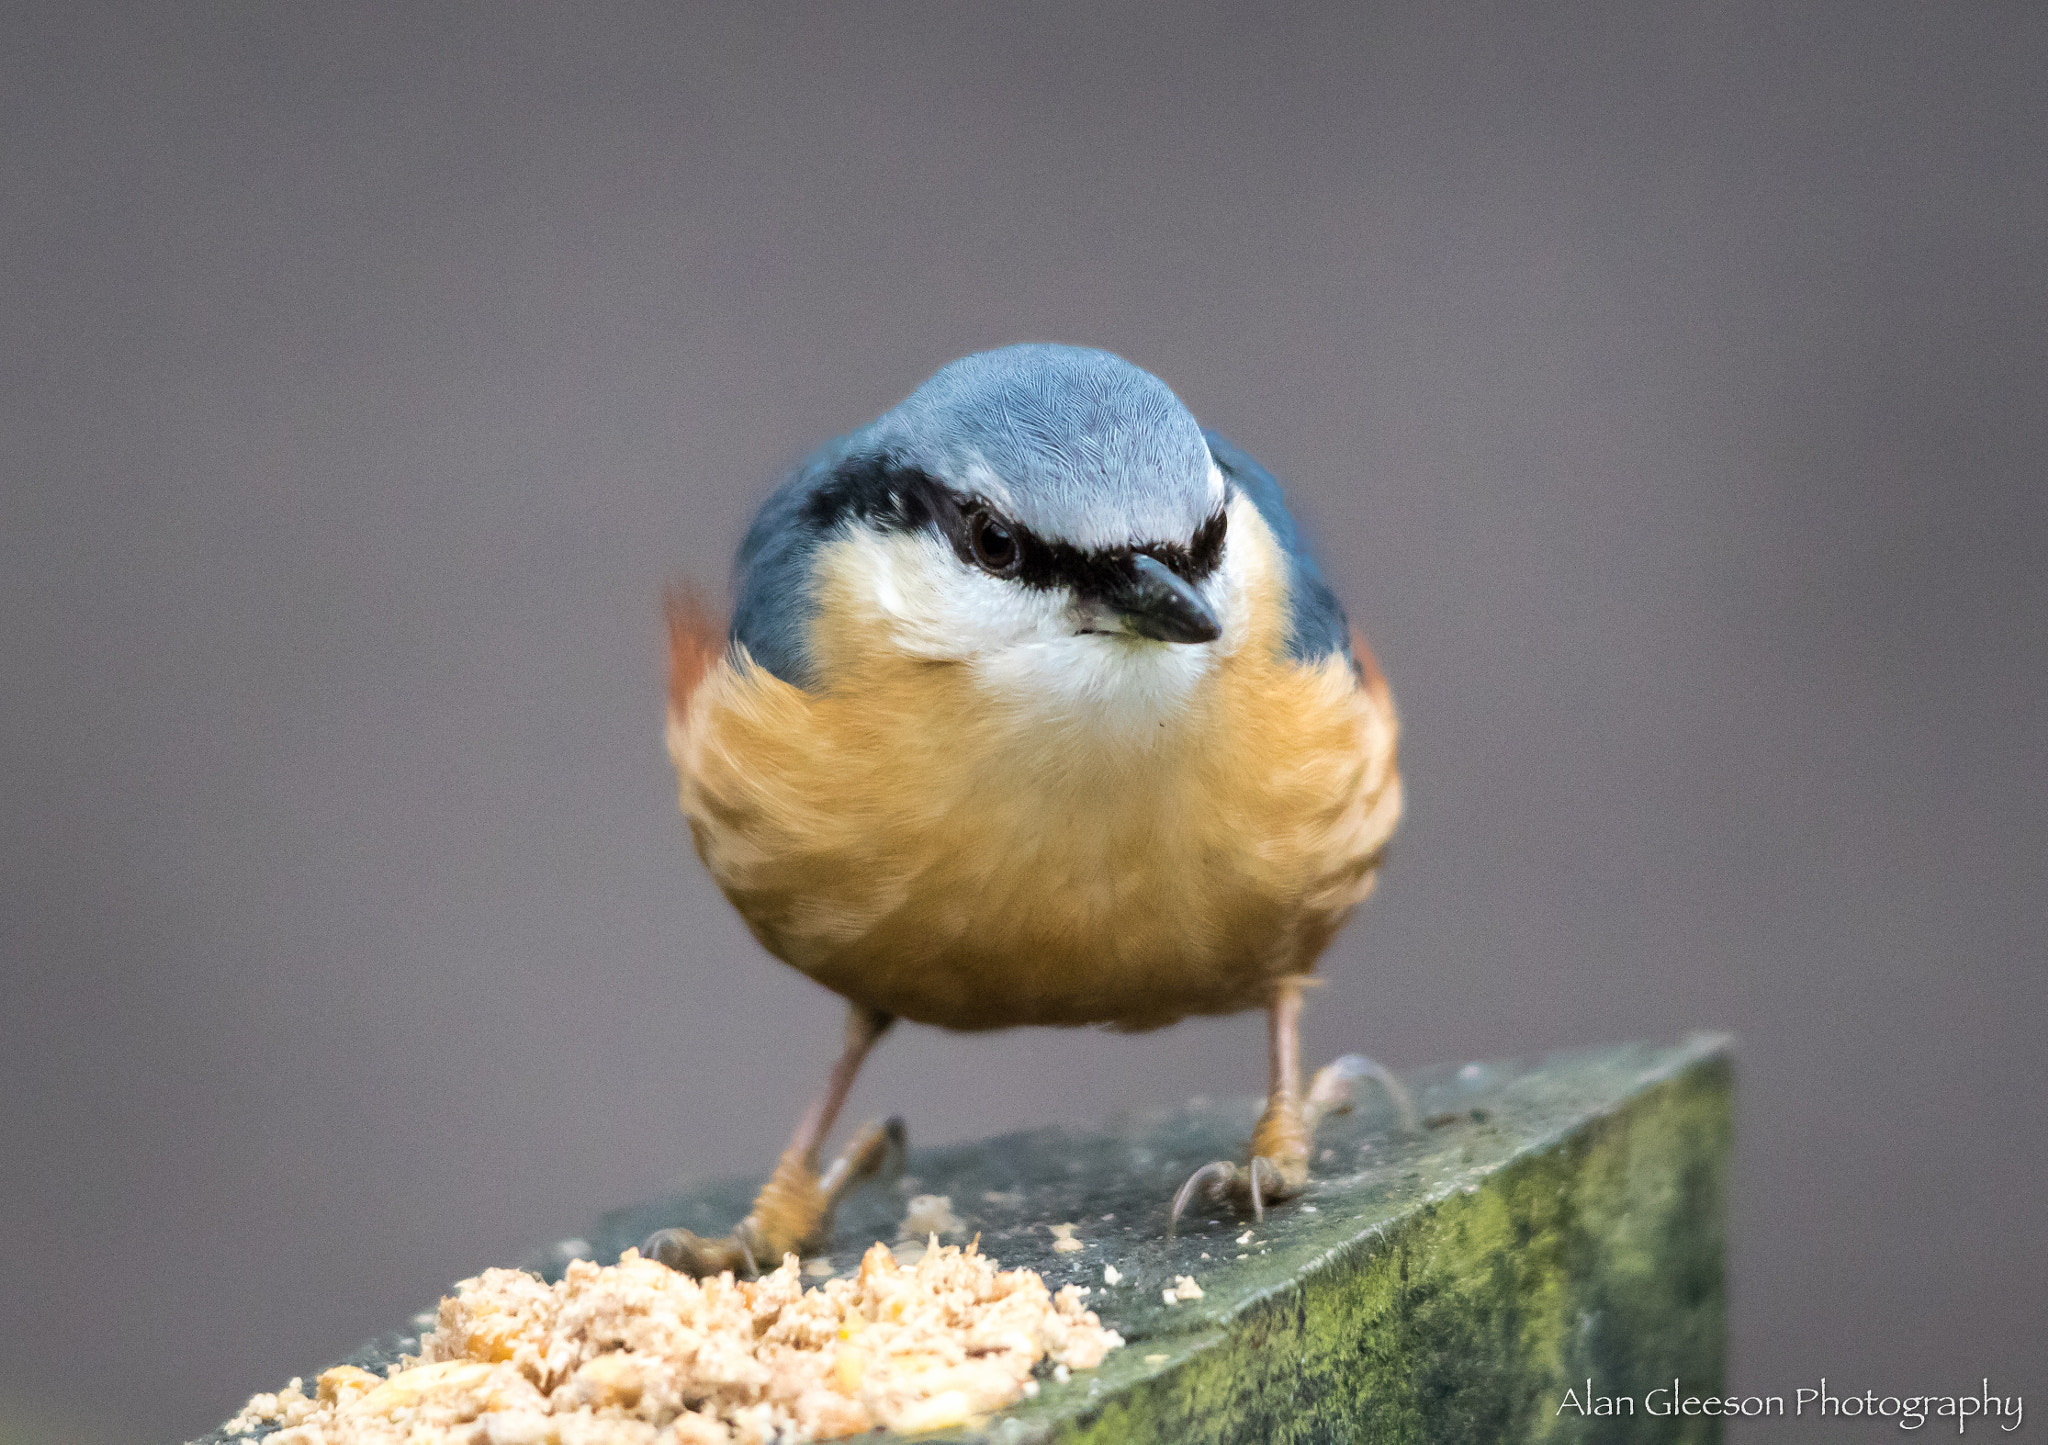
[(985, 919), (917, 851)]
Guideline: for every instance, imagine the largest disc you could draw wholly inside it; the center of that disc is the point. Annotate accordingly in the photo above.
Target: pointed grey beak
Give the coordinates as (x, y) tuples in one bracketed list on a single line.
[(1155, 603)]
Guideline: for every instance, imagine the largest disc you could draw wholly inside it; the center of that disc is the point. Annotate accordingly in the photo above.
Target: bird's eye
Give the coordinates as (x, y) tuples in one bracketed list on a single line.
[(995, 549)]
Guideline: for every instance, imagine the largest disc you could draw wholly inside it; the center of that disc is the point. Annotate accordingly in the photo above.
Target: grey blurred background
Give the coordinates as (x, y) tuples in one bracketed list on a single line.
[(1665, 385)]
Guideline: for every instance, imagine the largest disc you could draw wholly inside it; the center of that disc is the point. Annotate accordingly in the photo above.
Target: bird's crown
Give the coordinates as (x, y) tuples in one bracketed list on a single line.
[(1075, 445)]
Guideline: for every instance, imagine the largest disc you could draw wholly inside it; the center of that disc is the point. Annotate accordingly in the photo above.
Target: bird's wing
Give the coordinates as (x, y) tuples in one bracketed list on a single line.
[(1316, 625), (774, 605)]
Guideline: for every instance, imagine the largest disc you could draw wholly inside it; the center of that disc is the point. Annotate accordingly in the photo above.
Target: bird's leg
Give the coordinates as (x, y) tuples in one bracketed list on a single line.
[(1286, 1131), (793, 1211)]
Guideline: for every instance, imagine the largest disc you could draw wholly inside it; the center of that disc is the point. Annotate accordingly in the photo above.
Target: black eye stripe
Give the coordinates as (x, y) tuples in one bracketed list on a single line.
[(906, 499), (1061, 564), (870, 489)]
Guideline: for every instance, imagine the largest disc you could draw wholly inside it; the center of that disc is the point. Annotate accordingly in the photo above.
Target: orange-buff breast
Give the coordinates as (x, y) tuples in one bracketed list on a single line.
[(912, 844)]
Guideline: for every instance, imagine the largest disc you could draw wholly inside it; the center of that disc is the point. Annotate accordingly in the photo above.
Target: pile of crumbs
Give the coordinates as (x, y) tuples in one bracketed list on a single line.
[(636, 1354)]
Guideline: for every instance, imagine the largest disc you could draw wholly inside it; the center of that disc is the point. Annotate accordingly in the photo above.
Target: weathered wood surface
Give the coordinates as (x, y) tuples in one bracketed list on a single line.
[(1544, 1225)]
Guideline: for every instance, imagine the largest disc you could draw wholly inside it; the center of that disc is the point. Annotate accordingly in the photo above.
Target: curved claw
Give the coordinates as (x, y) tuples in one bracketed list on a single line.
[(1330, 1092), (875, 1150), (1259, 1181), (1261, 1165), (748, 1239), (701, 1258), (1218, 1176)]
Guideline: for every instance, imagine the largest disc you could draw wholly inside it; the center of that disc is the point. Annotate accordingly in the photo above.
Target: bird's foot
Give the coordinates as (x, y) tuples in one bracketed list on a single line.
[(1282, 1139), (1258, 1182), (791, 1215)]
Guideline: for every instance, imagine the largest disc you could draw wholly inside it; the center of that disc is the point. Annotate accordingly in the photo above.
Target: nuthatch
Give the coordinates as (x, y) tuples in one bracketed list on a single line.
[(1033, 709)]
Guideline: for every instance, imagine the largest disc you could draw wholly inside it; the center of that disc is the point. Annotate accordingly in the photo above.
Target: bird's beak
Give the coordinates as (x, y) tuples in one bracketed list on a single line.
[(1151, 601)]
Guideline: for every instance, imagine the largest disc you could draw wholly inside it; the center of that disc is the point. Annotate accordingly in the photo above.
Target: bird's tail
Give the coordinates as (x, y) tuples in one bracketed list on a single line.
[(696, 640)]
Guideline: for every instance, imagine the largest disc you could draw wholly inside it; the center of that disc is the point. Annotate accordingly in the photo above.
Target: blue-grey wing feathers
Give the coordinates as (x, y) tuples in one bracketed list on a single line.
[(1316, 626)]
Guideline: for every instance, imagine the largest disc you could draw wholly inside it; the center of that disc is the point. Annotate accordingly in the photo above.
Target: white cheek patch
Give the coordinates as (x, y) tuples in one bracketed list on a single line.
[(1247, 544), (932, 605), (1020, 641)]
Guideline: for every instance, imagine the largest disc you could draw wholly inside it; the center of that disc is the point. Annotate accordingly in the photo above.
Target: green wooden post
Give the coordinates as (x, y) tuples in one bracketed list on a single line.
[(1544, 1227)]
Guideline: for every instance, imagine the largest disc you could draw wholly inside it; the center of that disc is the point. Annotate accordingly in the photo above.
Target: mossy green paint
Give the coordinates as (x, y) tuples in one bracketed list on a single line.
[(1468, 1318)]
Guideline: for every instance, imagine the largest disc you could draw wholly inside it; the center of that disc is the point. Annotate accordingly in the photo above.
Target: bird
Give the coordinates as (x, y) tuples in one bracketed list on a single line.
[(1033, 708)]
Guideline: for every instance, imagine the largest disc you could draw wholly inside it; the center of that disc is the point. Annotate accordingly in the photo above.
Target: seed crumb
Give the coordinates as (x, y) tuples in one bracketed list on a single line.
[(631, 1353), (929, 1214), (1184, 1287)]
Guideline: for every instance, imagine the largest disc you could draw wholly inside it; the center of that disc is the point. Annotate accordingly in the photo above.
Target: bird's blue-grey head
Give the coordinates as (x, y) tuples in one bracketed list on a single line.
[(1076, 446), (1051, 515)]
